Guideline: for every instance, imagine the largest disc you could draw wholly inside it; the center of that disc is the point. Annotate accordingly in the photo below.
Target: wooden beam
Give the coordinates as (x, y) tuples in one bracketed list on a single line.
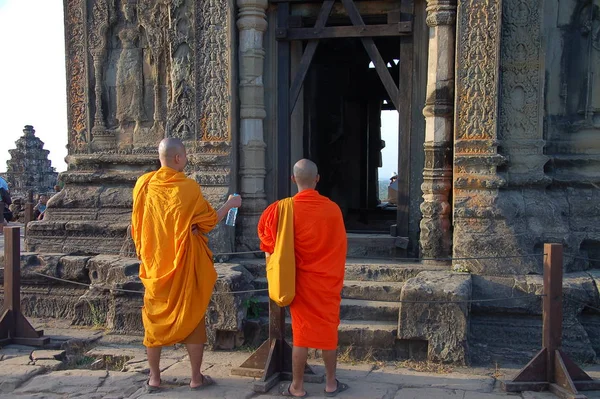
[(308, 54), (374, 55), (405, 90), (552, 305), (332, 32), (283, 109)]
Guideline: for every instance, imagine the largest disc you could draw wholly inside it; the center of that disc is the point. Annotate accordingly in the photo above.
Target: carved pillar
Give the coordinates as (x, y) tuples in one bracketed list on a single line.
[(252, 24), (436, 237), (479, 213)]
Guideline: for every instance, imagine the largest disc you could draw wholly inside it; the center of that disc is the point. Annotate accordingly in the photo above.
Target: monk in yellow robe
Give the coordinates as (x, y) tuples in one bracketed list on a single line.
[(320, 252), (170, 221)]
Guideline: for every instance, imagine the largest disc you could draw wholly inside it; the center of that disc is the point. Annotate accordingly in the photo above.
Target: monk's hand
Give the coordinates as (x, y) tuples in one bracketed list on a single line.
[(235, 201), (195, 230)]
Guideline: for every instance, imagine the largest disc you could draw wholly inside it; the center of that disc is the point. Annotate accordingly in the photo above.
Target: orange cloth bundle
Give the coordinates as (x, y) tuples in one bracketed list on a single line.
[(281, 264)]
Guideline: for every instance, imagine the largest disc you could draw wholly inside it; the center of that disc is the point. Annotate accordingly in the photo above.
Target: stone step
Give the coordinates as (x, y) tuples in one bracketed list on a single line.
[(368, 290), (362, 269), (352, 309), (358, 339)]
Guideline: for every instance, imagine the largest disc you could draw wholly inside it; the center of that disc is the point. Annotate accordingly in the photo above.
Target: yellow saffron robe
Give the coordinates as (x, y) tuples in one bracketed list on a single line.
[(281, 264), (176, 268)]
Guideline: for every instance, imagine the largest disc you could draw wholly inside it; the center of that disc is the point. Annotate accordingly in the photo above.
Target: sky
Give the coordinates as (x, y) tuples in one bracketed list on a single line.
[(32, 76), (34, 87)]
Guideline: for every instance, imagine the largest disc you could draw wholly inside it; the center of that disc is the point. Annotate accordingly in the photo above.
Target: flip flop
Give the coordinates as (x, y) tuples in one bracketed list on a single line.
[(285, 391), (206, 382), (151, 388), (341, 387)]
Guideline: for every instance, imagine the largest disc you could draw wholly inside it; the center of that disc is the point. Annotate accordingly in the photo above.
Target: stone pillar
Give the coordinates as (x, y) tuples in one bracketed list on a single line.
[(436, 237), (252, 24)]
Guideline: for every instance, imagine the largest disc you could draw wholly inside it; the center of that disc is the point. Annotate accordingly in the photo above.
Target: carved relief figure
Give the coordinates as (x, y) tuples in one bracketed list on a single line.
[(589, 28), (129, 80)]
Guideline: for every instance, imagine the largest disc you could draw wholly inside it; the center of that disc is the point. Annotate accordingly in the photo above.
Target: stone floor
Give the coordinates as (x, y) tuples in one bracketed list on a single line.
[(88, 363)]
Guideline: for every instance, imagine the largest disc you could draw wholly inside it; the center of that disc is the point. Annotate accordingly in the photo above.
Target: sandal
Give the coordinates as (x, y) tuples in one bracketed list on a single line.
[(206, 382), (151, 388), (341, 387), (284, 390)]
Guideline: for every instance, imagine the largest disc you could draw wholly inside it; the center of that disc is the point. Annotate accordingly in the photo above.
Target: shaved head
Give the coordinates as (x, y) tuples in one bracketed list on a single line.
[(171, 153), (306, 174)]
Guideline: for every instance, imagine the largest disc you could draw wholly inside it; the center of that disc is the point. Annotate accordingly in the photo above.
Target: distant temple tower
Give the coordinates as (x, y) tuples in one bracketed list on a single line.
[(29, 167)]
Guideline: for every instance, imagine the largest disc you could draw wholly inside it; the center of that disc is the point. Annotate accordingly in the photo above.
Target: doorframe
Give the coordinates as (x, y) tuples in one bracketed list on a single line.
[(400, 24)]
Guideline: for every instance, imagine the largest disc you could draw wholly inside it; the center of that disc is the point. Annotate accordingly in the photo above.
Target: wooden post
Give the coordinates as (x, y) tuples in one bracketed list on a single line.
[(551, 369), (14, 327)]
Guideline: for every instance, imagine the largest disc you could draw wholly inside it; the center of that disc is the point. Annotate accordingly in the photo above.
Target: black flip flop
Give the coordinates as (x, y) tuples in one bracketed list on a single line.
[(151, 388), (206, 382), (285, 391), (341, 387)]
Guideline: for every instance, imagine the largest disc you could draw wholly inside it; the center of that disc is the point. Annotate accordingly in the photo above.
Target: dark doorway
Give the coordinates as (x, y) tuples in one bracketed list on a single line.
[(344, 99)]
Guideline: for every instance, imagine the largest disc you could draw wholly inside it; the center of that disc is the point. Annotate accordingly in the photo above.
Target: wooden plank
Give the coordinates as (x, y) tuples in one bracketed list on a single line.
[(405, 90), (332, 32), (283, 106), (12, 269), (552, 305), (511, 386), (562, 393), (374, 55), (308, 54), (535, 370), (576, 373), (561, 375)]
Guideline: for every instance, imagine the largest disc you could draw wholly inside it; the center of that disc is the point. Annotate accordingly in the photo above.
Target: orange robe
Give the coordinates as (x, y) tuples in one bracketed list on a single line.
[(177, 268), (320, 249)]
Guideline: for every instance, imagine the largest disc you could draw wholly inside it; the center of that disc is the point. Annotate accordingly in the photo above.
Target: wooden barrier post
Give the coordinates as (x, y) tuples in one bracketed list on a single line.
[(14, 327), (551, 368), (272, 361)]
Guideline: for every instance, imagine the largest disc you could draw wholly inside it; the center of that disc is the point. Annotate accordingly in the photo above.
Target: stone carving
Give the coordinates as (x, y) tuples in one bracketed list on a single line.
[(28, 168), (154, 19), (129, 80), (477, 74), (76, 76), (181, 114), (520, 108), (212, 71), (588, 22)]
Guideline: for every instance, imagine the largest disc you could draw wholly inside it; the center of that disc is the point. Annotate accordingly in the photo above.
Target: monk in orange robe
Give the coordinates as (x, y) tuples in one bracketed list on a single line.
[(170, 221), (320, 252)]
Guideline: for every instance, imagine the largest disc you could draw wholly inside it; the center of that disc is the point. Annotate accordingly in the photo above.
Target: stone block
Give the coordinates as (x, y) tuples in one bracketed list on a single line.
[(110, 270), (491, 287), (74, 268), (227, 311), (15, 375), (91, 309), (444, 325), (66, 382)]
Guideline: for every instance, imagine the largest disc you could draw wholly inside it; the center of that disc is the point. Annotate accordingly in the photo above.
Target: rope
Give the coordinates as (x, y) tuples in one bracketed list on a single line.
[(581, 257), (573, 299), (89, 286)]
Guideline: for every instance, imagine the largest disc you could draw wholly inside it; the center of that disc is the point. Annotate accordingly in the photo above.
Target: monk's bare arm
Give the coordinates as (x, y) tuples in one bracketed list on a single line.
[(232, 202)]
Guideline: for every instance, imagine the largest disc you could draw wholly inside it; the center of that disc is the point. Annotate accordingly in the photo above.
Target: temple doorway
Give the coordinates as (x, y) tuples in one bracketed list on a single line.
[(343, 104), (346, 69)]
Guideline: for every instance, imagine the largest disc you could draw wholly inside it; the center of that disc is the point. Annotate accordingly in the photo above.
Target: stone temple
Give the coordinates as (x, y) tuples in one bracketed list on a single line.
[(498, 106), (29, 168)]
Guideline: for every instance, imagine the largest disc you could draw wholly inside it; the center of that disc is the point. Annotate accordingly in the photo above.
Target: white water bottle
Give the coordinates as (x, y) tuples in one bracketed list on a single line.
[(231, 215)]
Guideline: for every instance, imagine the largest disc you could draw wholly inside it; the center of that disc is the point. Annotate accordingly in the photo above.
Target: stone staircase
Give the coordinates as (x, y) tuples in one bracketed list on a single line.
[(369, 309)]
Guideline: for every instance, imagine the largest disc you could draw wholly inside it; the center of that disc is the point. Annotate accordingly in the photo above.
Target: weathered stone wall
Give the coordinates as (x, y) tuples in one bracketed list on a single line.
[(521, 180), (139, 71)]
